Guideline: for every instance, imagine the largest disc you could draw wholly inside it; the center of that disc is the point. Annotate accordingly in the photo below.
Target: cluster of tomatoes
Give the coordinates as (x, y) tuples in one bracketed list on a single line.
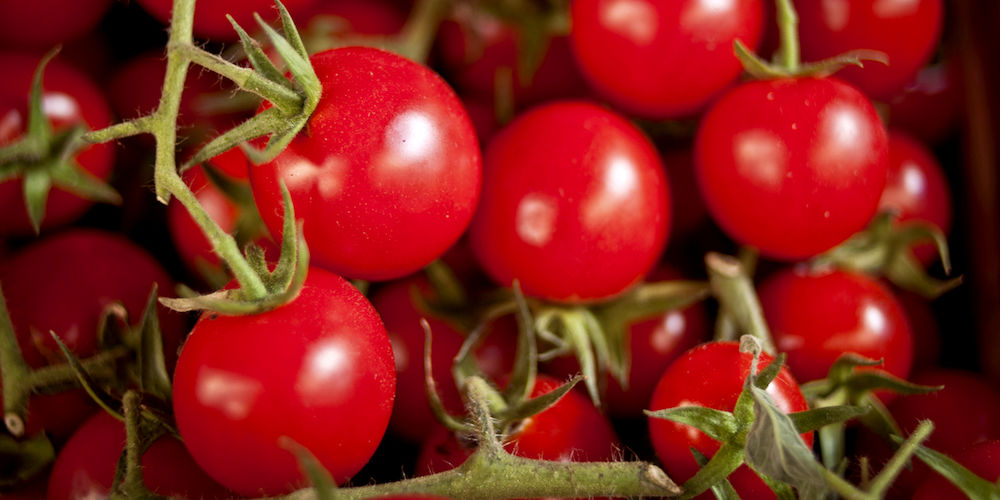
[(579, 150)]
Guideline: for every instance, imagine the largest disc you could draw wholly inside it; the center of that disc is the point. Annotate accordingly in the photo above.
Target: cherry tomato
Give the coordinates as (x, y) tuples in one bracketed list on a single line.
[(386, 177), (916, 189), (46, 23), (210, 15), (791, 166), (662, 58), (860, 316), (318, 370), (69, 98), (929, 106), (712, 375), (575, 204), (982, 459), (85, 467), (411, 415), (361, 17), (905, 30)]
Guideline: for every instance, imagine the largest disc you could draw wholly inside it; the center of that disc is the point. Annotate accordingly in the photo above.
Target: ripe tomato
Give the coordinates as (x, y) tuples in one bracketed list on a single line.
[(411, 414), (916, 189), (575, 204), (386, 176), (859, 315), (69, 98), (662, 58), (46, 23), (791, 166), (929, 106), (360, 17), (905, 30), (711, 375), (85, 467), (318, 370), (982, 459), (210, 15)]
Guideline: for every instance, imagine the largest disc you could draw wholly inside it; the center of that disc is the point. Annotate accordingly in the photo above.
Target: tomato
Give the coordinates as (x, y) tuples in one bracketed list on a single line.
[(318, 370), (791, 166), (386, 176), (966, 412), (46, 23), (210, 15), (662, 58), (575, 204), (924, 327), (860, 316), (916, 189), (929, 106), (69, 98), (571, 430), (85, 467), (362, 17), (982, 459), (411, 415), (905, 30), (712, 375)]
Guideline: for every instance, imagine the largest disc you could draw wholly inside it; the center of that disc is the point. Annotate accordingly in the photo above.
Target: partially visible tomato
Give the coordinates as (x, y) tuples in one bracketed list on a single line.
[(929, 106), (575, 204), (317, 370), (791, 166), (45, 23), (359, 17), (69, 99), (210, 15), (982, 460), (662, 58), (386, 174), (85, 467), (712, 375)]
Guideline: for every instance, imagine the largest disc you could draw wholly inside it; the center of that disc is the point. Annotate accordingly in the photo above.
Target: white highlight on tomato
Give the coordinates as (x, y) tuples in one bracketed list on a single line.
[(230, 393), (636, 20), (535, 219)]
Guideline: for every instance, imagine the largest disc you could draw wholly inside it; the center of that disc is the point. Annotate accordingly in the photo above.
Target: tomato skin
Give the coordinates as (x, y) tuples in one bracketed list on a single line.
[(929, 106), (982, 460), (45, 23), (575, 204), (859, 315), (85, 467), (363, 17), (791, 166), (712, 375), (210, 15), (916, 189), (662, 58), (318, 370), (400, 167), (69, 98), (905, 30)]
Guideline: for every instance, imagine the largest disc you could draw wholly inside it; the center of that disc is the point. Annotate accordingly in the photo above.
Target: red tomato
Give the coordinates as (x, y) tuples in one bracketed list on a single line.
[(46, 23), (791, 166), (69, 98), (859, 315), (662, 58), (924, 327), (928, 107), (318, 370), (411, 415), (916, 189), (905, 30), (712, 375), (85, 467), (210, 15), (966, 412), (982, 460), (575, 204), (362, 17), (571, 430), (386, 176)]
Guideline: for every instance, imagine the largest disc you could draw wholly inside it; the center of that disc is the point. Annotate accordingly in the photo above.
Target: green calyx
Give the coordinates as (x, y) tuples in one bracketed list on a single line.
[(44, 158)]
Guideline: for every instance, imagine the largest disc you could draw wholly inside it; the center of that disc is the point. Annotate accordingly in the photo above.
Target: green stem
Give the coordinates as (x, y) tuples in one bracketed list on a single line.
[(101, 366), (888, 474), (16, 382), (141, 125), (133, 485), (418, 33), (737, 297), (282, 97), (788, 29)]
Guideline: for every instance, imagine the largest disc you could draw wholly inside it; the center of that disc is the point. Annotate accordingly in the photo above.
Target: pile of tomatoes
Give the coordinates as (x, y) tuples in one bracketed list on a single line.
[(579, 151)]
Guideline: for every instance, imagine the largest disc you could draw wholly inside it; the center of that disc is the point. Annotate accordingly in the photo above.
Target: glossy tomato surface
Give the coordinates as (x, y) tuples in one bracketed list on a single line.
[(69, 99), (318, 370), (85, 467), (712, 375), (907, 31), (791, 166), (386, 176), (575, 204), (662, 58), (210, 15), (859, 315)]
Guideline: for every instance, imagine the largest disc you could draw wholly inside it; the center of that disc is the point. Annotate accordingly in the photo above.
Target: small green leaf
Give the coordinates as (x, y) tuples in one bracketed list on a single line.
[(871, 380), (260, 125), (727, 459), (102, 398), (258, 59), (24, 459), (430, 386), (723, 490), (972, 485), (522, 378), (285, 269), (716, 424), (755, 66), (770, 372), (781, 490), (323, 484), (37, 184), (810, 420), (827, 67), (774, 447), (69, 176), (39, 127), (538, 404), (290, 31), (153, 377)]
